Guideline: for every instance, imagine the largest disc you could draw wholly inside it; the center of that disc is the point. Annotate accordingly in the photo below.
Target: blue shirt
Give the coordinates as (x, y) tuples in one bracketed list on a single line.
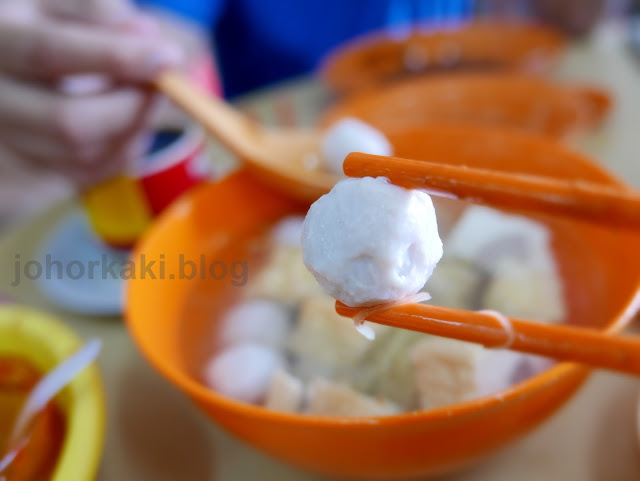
[(262, 41)]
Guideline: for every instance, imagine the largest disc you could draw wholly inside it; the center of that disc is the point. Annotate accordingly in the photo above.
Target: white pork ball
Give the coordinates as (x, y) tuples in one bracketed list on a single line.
[(368, 241), (243, 372), (288, 231), (351, 135), (257, 320)]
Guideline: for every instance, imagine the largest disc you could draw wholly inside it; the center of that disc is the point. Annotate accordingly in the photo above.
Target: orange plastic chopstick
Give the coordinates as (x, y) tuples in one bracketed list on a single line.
[(589, 201), (562, 342)]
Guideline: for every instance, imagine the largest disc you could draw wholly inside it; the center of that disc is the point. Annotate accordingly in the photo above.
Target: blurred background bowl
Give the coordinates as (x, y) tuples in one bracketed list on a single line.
[(167, 318), (501, 99), (384, 57), (44, 342)]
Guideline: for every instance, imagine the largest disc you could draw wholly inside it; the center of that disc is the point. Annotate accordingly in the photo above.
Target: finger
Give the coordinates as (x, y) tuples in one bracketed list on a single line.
[(47, 49), (48, 156), (119, 14), (74, 120), (49, 153), (40, 154), (115, 162), (108, 12)]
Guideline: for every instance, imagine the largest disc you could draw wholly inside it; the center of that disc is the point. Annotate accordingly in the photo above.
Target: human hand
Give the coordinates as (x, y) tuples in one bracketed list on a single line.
[(86, 135)]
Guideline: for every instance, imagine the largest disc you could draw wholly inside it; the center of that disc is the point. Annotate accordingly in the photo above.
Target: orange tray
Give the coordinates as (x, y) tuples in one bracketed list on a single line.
[(500, 99), (387, 56)]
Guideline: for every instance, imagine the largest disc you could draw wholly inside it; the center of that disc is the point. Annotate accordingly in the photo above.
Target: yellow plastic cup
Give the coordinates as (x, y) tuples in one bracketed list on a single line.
[(118, 210)]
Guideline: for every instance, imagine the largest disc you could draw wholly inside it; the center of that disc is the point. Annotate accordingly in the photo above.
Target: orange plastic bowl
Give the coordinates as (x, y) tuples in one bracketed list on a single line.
[(600, 270), (387, 56), (510, 100)]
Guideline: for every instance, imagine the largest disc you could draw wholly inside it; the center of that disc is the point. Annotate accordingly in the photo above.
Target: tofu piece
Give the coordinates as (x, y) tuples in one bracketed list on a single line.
[(485, 236), (525, 292), (284, 277), (456, 283), (448, 371), (327, 398), (516, 253), (444, 371), (324, 336), (285, 392)]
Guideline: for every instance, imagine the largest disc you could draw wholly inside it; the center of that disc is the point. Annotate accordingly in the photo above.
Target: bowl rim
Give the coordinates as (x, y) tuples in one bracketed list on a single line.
[(85, 416), (586, 92), (201, 394), (401, 34)]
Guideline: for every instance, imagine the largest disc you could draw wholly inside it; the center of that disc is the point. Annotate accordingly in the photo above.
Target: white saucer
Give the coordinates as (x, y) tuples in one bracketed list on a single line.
[(72, 245)]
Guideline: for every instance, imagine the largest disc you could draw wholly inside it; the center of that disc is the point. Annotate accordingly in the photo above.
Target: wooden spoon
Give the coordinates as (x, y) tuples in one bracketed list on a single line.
[(287, 158)]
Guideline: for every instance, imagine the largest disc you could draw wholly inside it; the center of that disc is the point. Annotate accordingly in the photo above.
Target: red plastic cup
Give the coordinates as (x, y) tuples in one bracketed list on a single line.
[(169, 172)]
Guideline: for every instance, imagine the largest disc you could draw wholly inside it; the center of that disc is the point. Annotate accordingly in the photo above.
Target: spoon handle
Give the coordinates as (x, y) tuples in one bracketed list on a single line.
[(234, 130), (52, 384)]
